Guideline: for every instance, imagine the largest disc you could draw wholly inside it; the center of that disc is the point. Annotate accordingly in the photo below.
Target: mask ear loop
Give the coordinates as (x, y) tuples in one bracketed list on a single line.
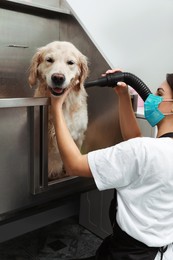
[(168, 100), (168, 114)]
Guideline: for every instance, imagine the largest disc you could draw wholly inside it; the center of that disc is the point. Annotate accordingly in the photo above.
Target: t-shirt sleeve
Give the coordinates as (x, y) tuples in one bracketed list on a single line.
[(116, 166)]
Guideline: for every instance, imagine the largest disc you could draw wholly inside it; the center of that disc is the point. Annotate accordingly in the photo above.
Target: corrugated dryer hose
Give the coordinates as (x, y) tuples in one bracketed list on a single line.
[(111, 80)]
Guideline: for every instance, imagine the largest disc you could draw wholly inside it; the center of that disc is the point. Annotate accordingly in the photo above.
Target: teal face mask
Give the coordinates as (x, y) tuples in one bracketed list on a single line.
[(152, 114)]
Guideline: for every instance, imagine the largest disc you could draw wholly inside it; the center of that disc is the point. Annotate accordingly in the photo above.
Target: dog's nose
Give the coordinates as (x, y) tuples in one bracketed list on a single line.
[(58, 78)]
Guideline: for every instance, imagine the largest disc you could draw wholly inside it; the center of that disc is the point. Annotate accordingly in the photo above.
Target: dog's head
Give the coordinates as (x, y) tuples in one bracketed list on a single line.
[(57, 66)]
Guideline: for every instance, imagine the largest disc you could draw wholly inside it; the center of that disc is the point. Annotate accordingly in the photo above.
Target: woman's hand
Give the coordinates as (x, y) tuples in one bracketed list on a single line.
[(121, 87), (57, 101)]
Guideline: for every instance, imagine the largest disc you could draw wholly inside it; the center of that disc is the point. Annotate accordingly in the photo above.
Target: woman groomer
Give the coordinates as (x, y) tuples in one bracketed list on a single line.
[(140, 169)]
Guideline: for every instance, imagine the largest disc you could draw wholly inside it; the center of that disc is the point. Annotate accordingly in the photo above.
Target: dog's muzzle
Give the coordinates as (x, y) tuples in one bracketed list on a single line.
[(57, 82), (56, 91)]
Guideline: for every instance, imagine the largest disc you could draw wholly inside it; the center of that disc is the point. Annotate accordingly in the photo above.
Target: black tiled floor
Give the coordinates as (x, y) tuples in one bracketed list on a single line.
[(65, 239)]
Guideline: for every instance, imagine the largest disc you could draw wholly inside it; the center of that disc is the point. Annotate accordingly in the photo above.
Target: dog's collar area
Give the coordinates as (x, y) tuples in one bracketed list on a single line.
[(56, 91)]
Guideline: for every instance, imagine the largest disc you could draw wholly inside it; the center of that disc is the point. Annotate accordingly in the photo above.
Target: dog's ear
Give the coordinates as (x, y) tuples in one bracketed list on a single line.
[(33, 73), (83, 63)]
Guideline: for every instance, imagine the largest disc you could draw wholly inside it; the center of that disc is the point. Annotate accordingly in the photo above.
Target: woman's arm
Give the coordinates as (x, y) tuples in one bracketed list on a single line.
[(74, 162), (128, 123)]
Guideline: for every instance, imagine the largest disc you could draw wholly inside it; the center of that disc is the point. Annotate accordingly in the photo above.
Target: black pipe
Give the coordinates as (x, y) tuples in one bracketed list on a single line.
[(113, 78)]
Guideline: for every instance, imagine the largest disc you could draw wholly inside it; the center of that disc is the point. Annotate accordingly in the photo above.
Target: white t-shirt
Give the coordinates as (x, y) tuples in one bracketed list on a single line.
[(141, 169)]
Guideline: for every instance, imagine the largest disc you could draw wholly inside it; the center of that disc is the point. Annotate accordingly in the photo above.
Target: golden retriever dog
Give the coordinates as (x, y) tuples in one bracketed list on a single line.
[(55, 67)]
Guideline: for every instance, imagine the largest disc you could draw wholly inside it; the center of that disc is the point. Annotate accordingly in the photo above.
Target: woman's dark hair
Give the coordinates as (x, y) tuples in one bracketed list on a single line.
[(169, 79)]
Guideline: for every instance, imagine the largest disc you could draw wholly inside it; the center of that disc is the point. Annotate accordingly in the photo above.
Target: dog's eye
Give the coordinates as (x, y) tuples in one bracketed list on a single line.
[(70, 62), (49, 59)]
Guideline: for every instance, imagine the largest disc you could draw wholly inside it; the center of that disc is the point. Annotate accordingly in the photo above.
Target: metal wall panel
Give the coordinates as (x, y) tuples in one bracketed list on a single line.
[(23, 31), (22, 35)]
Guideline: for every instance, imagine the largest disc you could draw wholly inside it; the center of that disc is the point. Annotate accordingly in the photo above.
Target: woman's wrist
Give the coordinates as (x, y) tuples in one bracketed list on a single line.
[(123, 93)]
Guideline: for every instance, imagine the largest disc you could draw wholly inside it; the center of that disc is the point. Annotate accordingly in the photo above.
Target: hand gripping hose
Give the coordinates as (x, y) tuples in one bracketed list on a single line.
[(112, 79)]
